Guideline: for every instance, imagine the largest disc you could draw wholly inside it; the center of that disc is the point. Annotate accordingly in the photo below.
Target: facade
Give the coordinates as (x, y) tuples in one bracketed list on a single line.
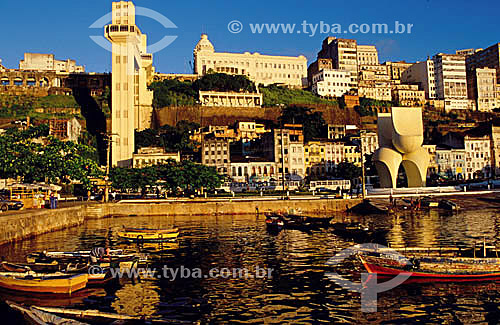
[(336, 131), (344, 56), (396, 69), (352, 153), (450, 162), (150, 156), (408, 95), (132, 69), (251, 169), (314, 154), (316, 67), (431, 150), (334, 155), (478, 157), (373, 72), (379, 90), (230, 99), (261, 69), (215, 152), (46, 62), (451, 80), (331, 83), (367, 55), (421, 74), (292, 150), (481, 88), (487, 58), (369, 141)]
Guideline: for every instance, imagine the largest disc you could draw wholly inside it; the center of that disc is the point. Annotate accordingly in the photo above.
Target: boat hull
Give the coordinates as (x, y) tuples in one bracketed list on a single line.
[(147, 236), (57, 285)]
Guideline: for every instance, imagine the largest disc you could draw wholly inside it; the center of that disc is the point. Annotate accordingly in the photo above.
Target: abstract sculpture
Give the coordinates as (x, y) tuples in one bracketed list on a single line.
[(400, 138)]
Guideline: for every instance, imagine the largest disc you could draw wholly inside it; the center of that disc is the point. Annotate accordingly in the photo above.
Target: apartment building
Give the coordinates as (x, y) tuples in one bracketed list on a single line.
[(317, 66), (451, 80), (379, 90), (343, 53), (450, 162), (367, 55), (215, 152), (408, 95), (331, 83), (314, 154), (369, 142), (478, 156), (421, 74), (487, 58), (481, 88), (396, 69), (262, 69)]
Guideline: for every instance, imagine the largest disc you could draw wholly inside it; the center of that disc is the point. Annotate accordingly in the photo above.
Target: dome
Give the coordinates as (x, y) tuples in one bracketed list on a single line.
[(204, 44)]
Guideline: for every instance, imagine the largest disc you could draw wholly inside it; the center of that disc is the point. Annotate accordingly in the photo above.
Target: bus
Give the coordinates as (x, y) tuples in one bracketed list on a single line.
[(330, 185)]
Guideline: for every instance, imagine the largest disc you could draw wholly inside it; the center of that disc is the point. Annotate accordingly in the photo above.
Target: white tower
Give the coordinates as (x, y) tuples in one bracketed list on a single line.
[(132, 70)]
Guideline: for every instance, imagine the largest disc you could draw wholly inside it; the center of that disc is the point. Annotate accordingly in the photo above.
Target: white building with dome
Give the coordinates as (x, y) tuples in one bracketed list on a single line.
[(262, 69)]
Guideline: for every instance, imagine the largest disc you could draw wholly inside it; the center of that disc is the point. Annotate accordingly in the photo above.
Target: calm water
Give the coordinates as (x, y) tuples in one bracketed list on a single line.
[(298, 292)]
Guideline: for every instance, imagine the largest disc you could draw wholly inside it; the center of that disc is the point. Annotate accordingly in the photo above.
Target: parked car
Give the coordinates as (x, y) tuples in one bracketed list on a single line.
[(6, 204)]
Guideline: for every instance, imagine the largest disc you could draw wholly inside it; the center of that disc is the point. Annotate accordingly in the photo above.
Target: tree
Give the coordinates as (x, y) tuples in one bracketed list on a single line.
[(224, 82), (168, 137), (313, 123), (347, 170)]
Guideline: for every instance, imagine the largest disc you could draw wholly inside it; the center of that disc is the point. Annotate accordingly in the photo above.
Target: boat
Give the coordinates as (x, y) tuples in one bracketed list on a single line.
[(274, 223), (448, 205), (116, 256), (151, 230), (359, 232), (54, 266), (149, 234), (60, 284), (39, 317), (434, 268)]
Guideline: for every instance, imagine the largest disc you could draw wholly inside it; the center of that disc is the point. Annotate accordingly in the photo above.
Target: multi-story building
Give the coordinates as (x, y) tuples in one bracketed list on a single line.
[(495, 149), (421, 74), (369, 142), (46, 62), (317, 66), (481, 87), (450, 162), (292, 150), (262, 69), (431, 149), (334, 155), (343, 53), (336, 131), (408, 95), (230, 99), (131, 100), (373, 72), (478, 156), (149, 156), (396, 69), (487, 58), (467, 52), (252, 169), (314, 154), (352, 153), (379, 90), (215, 152), (451, 80), (367, 55), (331, 83)]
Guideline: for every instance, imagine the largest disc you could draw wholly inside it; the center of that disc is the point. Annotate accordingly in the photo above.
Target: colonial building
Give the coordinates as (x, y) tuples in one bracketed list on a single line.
[(481, 88), (252, 169), (408, 95), (379, 90), (215, 152), (331, 83), (369, 141), (450, 162), (150, 156), (132, 70), (262, 69), (230, 99), (46, 62), (478, 156)]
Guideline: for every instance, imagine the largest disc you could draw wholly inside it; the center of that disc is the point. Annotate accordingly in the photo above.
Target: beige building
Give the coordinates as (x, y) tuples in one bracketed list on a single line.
[(261, 69), (481, 88), (367, 55), (369, 142), (478, 157), (396, 69), (150, 156), (343, 53), (451, 80), (408, 95), (46, 62), (132, 70), (215, 152), (230, 99), (379, 90)]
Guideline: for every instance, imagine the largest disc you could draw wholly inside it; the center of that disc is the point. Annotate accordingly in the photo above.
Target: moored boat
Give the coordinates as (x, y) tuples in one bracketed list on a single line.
[(60, 284), (40, 317), (435, 268), (274, 223), (139, 235), (359, 232)]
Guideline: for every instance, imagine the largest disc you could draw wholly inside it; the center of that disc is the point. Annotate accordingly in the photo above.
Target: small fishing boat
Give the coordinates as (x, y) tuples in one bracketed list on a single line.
[(151, 230), (274, 223), (116, 256), (54, 266), (448, 205), (39, 317), (359, 232), (60, 284), (136, 234)]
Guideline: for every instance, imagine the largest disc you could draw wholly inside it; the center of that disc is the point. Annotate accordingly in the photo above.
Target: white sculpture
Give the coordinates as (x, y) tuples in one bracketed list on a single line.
[(400, 138)]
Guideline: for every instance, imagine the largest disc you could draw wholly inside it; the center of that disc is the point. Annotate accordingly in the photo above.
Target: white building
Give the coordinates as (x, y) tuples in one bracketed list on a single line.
[(451, 80), (481, 87), (261, 69), (149, 156), (46, 62), (367, 55), (379, 90), (422, 74), (478, 156), (331, 83)]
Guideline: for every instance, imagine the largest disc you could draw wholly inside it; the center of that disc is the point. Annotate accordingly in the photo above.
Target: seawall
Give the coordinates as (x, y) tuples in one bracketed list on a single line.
[(28, 223)]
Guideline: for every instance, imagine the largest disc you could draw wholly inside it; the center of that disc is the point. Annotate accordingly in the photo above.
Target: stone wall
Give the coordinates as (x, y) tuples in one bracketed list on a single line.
[(28, 223)]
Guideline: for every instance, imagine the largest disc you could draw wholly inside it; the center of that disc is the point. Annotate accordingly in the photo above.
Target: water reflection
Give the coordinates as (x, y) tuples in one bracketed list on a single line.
[(298, 291)]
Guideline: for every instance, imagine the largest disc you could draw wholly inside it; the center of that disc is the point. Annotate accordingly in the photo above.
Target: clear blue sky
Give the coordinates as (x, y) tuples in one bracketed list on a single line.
[(61, 27)]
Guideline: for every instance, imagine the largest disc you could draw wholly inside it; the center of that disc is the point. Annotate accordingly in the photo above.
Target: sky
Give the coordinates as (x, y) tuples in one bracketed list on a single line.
[(61, 27)]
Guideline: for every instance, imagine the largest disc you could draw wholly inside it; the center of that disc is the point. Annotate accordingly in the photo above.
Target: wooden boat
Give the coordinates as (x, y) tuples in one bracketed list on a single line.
[(274, 223), (60, 284), (448, 205), (435, 268), (151, 230), (116, 256), (358, 232), (54, 266), (139, 235), (39, 317)]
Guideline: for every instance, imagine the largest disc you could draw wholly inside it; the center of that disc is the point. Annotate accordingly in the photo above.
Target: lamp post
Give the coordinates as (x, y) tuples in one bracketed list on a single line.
[(109, 139)]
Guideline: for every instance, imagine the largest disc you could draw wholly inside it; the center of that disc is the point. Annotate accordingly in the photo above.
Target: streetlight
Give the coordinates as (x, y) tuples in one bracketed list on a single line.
[(108, 138)]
